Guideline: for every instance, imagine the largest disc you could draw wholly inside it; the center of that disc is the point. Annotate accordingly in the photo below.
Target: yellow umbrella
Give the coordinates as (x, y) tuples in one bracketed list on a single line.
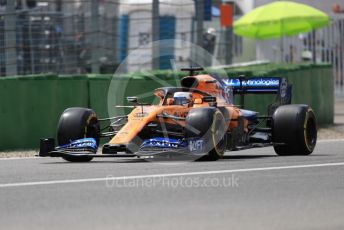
[(278, 19)]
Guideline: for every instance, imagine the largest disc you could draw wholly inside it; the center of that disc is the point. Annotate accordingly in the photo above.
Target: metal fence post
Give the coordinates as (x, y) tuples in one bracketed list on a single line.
[(341, 47), (198, 34), (10, 38), (199, 20), (94, 36), (155, 34), (314, 46)]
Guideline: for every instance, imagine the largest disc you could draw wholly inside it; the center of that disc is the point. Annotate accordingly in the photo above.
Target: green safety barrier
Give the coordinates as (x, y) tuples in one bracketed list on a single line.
[(30, 106)]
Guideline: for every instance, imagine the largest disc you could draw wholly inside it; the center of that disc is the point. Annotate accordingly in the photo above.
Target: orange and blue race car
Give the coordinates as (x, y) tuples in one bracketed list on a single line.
[(196, 121)]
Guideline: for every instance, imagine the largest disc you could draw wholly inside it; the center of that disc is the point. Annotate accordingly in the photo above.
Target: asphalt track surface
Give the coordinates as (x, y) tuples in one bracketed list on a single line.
[(251, 189)]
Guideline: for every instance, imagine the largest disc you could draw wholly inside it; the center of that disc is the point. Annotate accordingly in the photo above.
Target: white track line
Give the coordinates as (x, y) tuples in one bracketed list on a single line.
[(17, 158), (72, 181), (330, 140)]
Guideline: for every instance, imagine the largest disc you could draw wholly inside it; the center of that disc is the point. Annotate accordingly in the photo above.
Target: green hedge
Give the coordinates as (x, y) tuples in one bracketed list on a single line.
[(30, 106)]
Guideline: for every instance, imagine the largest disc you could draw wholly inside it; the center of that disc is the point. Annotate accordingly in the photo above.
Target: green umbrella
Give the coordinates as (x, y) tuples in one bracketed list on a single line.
[(279, 19)]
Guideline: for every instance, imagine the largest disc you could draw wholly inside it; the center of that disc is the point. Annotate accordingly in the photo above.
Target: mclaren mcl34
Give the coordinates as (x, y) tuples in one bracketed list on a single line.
[(198, 120)]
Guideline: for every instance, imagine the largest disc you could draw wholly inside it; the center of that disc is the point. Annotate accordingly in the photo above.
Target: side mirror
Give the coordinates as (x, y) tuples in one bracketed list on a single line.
[(132, 99), (209, 99)]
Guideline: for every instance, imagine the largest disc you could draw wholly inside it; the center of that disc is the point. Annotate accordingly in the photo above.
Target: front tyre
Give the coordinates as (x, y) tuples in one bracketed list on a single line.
[(208, 124), (77, 123), (294, 130)]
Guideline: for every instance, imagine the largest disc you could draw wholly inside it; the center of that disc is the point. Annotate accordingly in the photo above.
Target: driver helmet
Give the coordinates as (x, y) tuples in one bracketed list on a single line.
[(182, 98)]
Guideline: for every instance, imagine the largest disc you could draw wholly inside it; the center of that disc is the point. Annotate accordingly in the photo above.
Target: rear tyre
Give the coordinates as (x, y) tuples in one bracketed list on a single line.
[(77, 123), (294, 130), (208, 124)]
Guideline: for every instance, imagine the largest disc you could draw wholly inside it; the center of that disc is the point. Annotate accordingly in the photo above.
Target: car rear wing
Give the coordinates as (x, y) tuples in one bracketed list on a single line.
[(256, 85), (261, 85)]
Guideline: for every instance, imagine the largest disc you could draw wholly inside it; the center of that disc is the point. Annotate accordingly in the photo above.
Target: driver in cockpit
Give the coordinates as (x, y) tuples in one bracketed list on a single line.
[(182, 98)]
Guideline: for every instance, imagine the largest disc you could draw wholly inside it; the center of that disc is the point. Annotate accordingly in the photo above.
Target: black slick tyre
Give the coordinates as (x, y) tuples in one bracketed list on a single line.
[(294, 130), (209, 124), (76, 123)]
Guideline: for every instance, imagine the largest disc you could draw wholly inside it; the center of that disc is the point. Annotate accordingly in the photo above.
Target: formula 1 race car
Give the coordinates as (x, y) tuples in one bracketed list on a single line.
[(195, 121)]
